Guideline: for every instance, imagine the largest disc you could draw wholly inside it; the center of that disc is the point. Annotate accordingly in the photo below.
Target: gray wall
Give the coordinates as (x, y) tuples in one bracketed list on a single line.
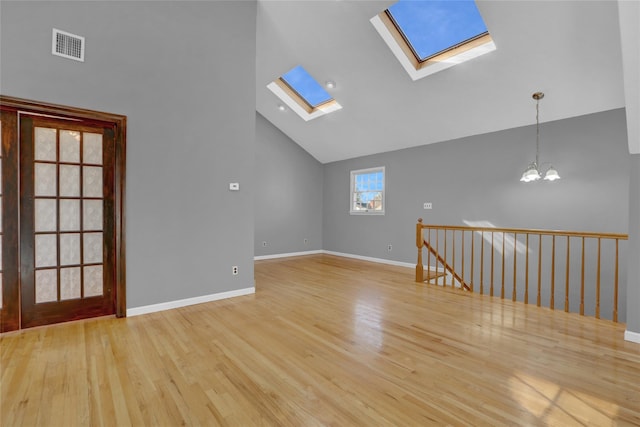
[(184, 75), (477, 179), (288, 207), (633, 275)]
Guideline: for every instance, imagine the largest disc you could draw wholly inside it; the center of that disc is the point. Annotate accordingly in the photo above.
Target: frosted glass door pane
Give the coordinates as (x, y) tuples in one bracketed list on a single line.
[(45, 179), (69, 181), (92, 248), (92, 280), (69, 146), (46, 286), (69, 249), (45, 144), (69, 215), (46, 250), (45, 215), (92, 215), (92, 181), (69, 283), (92, 148)]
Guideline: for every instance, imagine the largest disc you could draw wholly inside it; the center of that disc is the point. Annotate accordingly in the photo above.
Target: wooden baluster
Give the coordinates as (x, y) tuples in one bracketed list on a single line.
[(453, 260), (566, 289), (462, 256), (582, 281), (539, 267), (419, 244), (445, 258), (598, 283), (492, 251), (473, 239), (526, 280), (437, 251), (615, 288), (429, 255), (553, 272), (502, 286), (515, 257), (482, 262)]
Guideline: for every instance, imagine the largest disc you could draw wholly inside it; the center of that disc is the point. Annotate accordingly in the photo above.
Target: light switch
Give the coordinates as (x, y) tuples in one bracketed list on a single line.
[(234, 186)]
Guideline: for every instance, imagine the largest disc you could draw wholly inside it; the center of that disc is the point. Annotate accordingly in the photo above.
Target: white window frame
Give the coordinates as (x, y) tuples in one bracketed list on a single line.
[(352, 181)]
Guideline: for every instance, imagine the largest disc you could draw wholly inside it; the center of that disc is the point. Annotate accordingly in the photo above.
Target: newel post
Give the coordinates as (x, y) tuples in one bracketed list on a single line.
[(419, 244)]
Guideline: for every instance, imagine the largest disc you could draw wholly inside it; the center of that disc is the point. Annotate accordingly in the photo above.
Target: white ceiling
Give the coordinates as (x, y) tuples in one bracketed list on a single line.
[(570, 50)]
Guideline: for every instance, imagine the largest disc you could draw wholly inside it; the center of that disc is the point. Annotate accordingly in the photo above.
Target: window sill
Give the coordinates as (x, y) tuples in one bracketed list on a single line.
[(366, 212)]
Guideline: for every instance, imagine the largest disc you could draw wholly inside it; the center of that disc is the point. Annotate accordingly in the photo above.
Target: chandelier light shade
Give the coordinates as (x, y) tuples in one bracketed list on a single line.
[(551, 174), (532, 173)]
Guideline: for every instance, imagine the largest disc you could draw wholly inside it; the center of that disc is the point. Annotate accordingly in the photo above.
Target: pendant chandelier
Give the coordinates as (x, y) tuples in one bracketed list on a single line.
[(533, 173)]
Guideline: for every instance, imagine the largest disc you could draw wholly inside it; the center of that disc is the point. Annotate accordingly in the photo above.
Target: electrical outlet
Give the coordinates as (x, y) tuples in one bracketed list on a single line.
[(306, 241), (234, 270), (428, 205), (264, 244), (389, 248)]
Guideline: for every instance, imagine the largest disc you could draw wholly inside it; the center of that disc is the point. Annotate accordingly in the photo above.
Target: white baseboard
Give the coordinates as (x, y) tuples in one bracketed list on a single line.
[(632, 336), (136, 311), (322, 251), (371, 259), (287, 255)]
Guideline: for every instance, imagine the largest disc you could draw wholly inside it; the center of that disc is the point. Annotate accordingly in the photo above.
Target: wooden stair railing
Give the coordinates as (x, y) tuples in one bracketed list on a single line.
[(447, 267), (597, 258)]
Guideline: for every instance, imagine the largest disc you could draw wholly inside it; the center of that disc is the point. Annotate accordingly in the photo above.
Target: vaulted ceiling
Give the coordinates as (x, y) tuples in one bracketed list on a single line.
[(570, 50)]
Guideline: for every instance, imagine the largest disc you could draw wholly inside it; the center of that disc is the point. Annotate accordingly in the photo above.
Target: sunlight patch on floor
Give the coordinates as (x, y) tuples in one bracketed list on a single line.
[(547, 400), (367, 323)]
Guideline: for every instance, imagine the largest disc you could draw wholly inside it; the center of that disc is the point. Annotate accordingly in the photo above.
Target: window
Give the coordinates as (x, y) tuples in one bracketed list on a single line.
[(303, 94), (429, 36), (367, 191)]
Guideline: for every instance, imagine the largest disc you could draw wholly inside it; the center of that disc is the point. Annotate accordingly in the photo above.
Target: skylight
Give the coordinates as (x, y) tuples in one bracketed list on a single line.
[(309, 89), (432, 27), (431, 35), (303, 94)]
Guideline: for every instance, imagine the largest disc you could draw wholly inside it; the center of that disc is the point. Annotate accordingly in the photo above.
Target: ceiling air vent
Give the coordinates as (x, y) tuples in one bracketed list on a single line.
[(67, 45)]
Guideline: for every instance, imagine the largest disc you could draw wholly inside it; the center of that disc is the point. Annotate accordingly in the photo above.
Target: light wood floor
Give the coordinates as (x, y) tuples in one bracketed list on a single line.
[(326, 341)]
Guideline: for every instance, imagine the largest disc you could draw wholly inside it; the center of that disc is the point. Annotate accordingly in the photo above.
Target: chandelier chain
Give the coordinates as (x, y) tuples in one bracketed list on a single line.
[(537, 131)]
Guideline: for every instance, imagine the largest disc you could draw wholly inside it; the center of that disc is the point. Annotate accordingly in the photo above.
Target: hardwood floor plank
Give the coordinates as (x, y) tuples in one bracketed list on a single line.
[(326, 341)]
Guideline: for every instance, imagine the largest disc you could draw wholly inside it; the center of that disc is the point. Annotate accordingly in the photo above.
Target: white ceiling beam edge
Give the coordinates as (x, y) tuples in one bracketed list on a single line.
[(629, 12)]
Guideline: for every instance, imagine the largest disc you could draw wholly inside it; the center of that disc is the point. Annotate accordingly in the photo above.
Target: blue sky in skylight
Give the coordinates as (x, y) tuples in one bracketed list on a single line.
[(306, 86), (432, 26)]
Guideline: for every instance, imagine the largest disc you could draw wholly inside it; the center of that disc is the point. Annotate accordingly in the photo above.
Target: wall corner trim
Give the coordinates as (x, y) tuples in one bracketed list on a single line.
[(136, 311), (632, 336)]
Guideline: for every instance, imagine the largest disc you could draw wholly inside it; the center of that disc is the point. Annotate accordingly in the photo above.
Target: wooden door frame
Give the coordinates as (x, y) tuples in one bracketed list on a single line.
[(10, 312), (119, 122)]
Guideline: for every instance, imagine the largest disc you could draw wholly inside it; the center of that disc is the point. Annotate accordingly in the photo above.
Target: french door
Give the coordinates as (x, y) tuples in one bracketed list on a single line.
[(67, 214)]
